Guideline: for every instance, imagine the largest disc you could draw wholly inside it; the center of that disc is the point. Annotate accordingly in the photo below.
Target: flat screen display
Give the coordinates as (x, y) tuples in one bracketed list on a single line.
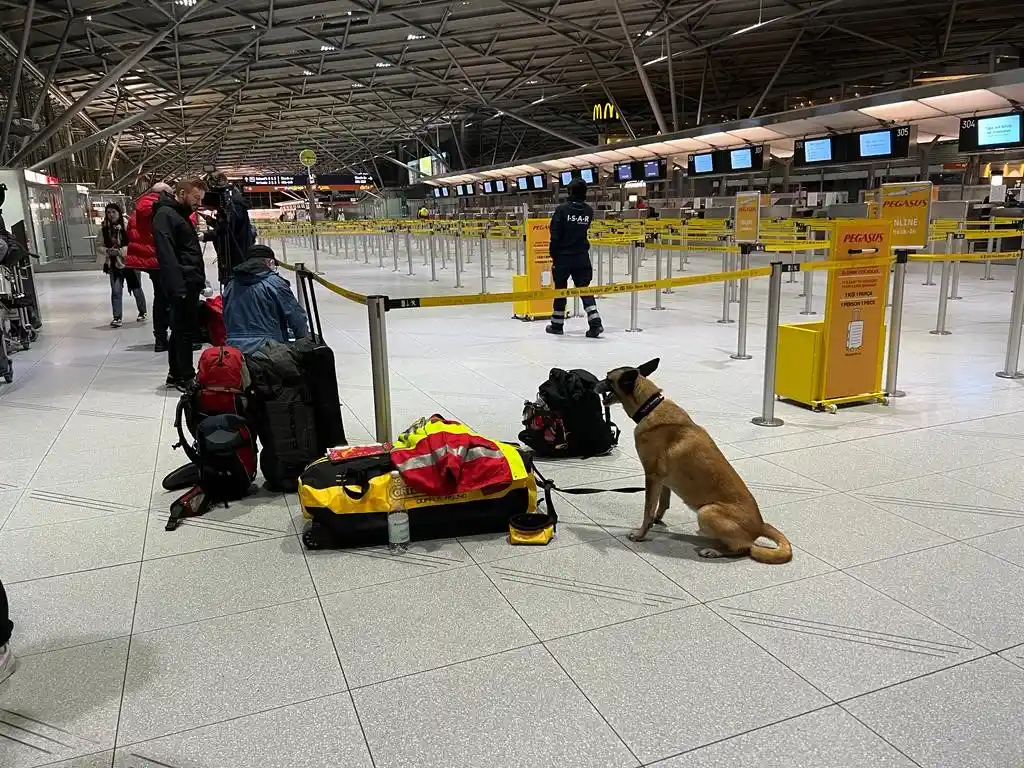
[(653, 169), (444, 192), (499, 186), (1004, 129), (488, 187), (523, 183), (818, 150), (741, 159), (470, 189), (624, 172), (537, 181), (876, 144), (565, 178), (703, 163), (589, 175)]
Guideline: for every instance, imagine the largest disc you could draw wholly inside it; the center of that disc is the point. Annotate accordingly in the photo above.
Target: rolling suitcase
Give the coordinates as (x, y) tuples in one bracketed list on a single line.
[(321, 374)]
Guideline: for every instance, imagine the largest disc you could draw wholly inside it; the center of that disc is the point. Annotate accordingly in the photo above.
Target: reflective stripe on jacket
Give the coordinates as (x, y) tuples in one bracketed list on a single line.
[(439, 457)]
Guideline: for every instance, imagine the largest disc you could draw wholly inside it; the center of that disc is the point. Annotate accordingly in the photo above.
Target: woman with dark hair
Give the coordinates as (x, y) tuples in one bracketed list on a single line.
[(115, 242)]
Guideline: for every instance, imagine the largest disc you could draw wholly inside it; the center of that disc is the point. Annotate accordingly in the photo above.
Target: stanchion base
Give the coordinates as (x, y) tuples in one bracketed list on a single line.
[(658, 309), (740, 357), (940, 333), (932, 283), (801, 295), (634, 330), (724, 322), (896, 393), (761, 421), (955, 298), (668, 291), (1014, 375), (986, 278), (808, 313)]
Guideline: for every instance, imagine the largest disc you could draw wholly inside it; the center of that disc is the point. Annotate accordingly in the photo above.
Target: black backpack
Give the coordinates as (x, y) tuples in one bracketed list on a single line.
[(569, 420), (224, 453)]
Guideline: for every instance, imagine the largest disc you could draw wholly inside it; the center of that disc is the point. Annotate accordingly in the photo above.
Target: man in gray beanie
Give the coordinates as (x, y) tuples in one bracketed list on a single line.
[(259, 304)]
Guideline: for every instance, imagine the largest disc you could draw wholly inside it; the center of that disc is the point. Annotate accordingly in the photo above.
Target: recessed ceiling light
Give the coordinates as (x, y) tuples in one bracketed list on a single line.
[(383, 64), (531, 82), (327, 48), (415, 37), (307, 73), (186, 3)]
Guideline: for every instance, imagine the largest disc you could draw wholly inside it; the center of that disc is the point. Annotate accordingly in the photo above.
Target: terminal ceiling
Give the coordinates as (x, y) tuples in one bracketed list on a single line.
[(175, 85)]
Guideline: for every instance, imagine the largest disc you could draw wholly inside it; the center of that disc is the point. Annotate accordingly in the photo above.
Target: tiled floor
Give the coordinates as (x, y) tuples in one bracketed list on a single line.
[(895, 637)]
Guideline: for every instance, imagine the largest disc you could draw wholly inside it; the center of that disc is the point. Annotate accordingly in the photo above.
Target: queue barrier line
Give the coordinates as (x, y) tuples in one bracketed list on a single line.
[(826, 266), (345, 293), (508, 297), (1008, 255)]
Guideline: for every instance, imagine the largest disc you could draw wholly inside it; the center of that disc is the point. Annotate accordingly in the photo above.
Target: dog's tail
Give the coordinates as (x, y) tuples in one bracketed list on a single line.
[(782, 552)]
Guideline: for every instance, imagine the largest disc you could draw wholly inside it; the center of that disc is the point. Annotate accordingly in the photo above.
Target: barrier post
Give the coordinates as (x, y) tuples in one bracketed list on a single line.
[(508, 252), (771, 350), (300, 288), (408, 249), (741, 327), (940, 320), (611, 264), (899, 279), (1016, 322), (433, 258), (600, 264), (725, 319), (394, 248), (808, 294), (929, 276), (483, 265), (634, 297), (284, 249), (734, 286), (657, 276), (668, 272), (954, 289), (458, 260), (991, 247), (377, 307)]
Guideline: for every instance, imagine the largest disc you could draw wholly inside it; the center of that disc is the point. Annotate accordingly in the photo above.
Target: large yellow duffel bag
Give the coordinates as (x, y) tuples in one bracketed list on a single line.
[(348, 502)]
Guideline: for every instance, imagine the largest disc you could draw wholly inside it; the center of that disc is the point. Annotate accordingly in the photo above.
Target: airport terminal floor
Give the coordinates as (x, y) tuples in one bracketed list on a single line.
[(894, 637)]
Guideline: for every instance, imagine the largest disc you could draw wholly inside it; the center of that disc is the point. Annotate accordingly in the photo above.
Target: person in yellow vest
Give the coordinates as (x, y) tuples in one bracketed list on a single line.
[(423, 212)]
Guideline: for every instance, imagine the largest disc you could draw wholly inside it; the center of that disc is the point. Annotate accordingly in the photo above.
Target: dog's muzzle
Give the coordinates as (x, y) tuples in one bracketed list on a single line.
[(607, 393)]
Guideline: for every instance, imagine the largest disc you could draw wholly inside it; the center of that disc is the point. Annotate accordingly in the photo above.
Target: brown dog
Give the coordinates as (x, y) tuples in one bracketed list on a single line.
[(678, 455)]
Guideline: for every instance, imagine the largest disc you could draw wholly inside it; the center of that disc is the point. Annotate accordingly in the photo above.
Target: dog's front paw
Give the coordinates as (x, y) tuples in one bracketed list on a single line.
[(637, 535), (708, 552)]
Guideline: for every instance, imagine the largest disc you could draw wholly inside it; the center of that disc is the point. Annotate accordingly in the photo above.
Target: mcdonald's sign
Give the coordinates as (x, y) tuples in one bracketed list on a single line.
[(605, 112)]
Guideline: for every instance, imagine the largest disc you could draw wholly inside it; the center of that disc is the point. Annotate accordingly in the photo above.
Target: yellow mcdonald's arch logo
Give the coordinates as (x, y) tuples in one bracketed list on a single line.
[(605, 111)]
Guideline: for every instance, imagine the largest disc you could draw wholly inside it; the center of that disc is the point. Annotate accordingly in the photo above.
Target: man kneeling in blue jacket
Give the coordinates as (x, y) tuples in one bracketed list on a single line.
[(259, 304)]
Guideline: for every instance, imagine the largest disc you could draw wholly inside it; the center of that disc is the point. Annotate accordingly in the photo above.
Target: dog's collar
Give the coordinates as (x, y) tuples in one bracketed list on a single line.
[(645, 410)]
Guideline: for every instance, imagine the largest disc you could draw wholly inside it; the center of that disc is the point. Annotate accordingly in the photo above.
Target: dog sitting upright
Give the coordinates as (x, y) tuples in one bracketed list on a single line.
[(678, 455)]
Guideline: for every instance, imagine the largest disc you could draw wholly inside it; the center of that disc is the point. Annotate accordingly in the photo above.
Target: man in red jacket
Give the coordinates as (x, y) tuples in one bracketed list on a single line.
[(141, 255)]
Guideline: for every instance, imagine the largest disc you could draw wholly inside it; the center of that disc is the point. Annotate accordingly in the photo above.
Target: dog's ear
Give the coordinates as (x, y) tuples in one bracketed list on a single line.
[(627, 381), (649, 367)]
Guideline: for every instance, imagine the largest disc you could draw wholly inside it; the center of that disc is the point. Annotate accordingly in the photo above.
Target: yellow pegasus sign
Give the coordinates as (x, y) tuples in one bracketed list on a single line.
[(604, 112)]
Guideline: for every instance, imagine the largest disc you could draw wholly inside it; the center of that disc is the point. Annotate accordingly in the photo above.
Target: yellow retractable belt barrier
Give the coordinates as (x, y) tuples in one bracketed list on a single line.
[(965, 256), (358, 298)]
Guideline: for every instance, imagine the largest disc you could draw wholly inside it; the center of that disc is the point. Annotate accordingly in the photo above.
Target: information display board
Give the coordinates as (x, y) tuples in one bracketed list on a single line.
[(726, 161), (907, 207), (748, 217), (324, 182), (855, 309), (861, 147), (983, 134), (589, 175)]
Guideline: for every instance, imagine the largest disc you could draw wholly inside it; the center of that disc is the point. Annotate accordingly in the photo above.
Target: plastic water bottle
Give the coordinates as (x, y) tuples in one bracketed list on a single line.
[(398, 521)]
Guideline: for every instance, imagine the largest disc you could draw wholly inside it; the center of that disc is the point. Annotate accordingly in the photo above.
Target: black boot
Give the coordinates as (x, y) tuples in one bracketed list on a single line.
[(557, 330), (595, 330)]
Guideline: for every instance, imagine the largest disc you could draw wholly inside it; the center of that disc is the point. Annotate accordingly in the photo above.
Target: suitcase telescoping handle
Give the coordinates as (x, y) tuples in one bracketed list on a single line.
[(308, 297)]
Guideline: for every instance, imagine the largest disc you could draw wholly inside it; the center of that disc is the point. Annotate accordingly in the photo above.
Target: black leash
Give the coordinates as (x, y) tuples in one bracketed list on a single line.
[(550, 486)]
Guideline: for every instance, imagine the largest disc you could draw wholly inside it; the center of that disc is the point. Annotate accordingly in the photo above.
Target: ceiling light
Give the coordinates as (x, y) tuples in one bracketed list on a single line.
[(415, 37), (531, 82), (754, 26), (307, 73), (358, 85), (186, 3), (88, 18), (383, 64), (326, 47), (655, 61), (648, 33)]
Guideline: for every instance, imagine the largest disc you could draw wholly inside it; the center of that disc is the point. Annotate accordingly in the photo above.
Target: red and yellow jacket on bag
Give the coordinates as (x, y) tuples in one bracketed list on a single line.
[(442, 458)]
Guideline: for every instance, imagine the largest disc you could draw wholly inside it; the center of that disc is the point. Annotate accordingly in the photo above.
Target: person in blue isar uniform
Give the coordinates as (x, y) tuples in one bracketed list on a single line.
[(570, 257)]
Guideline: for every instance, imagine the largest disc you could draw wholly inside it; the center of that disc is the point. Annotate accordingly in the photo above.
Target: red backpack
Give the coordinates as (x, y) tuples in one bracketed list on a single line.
[(213, 320), (222, 382)]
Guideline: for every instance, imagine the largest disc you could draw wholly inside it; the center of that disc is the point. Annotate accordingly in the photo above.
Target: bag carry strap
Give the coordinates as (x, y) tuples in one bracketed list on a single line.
[(309, 302), (548, 484)]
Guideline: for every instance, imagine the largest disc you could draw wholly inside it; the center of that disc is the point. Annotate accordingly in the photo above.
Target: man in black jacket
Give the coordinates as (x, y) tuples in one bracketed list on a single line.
[(570, 256), (183, 274)]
